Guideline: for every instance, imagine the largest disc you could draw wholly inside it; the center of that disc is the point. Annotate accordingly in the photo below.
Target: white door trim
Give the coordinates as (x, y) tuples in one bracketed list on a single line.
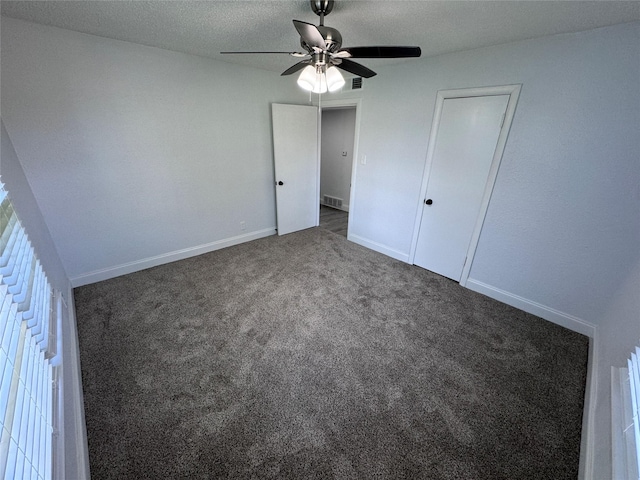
[(347, 102), (514, 92)]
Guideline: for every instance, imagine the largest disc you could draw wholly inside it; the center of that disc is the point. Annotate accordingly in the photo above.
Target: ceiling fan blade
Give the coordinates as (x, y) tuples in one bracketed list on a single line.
[(355, 68), (380, 52), (298, 66), (310, 34), (340, 54), (293, 54)]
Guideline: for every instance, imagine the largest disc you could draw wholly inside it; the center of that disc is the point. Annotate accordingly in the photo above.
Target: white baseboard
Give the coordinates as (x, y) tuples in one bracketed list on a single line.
[(344, 207), (75, 456), (564, 319), (126, 268), (378, 247), (587, 442)]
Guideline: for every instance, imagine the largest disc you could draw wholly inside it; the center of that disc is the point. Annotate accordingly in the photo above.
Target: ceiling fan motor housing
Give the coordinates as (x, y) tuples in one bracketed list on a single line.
[(322, 7)]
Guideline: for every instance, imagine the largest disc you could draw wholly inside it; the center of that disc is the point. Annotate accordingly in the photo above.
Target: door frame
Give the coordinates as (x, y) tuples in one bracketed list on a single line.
[(357, 104), (514, 92)]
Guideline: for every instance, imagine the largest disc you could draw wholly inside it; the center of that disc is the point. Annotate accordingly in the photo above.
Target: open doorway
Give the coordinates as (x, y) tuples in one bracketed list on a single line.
[(337, 145)]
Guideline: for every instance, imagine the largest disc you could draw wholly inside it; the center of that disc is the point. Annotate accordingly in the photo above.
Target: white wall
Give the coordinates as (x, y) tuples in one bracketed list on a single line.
[(338, 131), (138, 155), (74, 460)]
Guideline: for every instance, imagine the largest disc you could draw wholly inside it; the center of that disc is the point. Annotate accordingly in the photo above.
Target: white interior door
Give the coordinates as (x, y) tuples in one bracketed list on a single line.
[(295, 151), (465, 142)]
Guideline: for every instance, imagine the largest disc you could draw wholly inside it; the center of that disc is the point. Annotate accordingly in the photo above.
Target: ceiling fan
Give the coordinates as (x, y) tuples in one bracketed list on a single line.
[(324, 54)]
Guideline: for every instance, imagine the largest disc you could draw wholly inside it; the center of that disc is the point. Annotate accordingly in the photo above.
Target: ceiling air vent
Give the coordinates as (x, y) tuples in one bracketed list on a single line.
[(356, 83)]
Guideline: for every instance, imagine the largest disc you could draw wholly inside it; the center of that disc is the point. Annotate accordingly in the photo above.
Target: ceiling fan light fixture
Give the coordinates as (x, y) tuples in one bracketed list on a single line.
[(312, 80), (335, 80), (307, 78)]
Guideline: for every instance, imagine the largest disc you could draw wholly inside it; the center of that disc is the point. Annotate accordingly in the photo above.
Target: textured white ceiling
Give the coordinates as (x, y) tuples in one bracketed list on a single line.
[(206, 28)]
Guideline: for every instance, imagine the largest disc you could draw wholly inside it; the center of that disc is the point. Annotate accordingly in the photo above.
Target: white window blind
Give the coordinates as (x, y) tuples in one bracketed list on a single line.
[(625, 416), (27, 348)]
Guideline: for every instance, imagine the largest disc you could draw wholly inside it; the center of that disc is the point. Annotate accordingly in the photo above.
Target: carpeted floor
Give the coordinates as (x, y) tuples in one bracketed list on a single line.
[(308, 356)]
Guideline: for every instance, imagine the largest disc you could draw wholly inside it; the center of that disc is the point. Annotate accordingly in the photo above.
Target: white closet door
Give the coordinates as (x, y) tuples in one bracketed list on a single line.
[(466, 141)]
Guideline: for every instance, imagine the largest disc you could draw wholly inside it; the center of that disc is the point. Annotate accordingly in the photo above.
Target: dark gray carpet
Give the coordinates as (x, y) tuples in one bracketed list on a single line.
[(307, 356)]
